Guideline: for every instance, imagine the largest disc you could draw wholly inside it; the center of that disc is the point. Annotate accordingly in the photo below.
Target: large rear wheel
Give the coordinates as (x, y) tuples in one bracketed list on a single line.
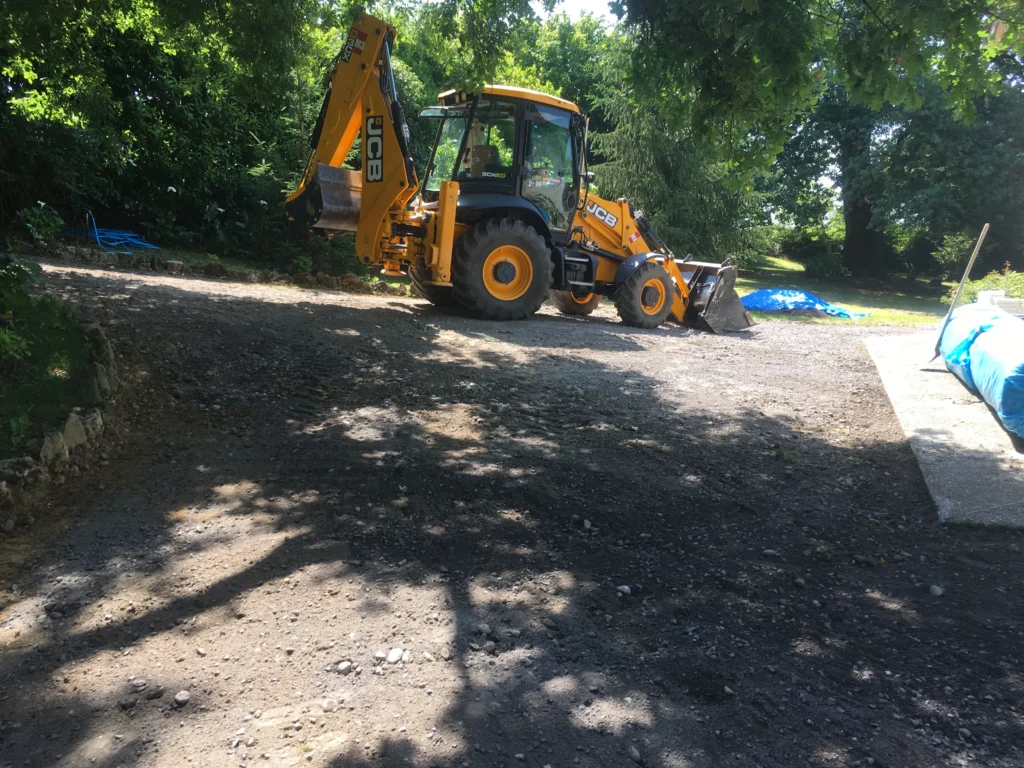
[(438, 295), (645, 299), (572, 303), (501, 270)]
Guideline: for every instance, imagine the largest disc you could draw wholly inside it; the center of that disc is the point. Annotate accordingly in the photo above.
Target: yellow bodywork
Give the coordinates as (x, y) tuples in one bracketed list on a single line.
[(395, 228)]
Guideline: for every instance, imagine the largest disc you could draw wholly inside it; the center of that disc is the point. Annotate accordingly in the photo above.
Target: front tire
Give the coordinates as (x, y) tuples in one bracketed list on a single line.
[(570, 303), (501, 270), (645, 299), (438, 295)]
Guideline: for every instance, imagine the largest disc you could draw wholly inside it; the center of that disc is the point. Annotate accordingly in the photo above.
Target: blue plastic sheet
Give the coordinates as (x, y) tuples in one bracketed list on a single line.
[(984, 348), (788, 300)]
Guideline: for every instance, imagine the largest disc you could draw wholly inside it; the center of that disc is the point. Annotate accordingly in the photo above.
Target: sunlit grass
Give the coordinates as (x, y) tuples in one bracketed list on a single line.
[(886, 307)]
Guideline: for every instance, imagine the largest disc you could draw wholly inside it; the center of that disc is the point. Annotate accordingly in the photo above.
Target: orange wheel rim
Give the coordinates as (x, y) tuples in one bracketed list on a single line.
[(653, 296), (508, 272), (582, 299)]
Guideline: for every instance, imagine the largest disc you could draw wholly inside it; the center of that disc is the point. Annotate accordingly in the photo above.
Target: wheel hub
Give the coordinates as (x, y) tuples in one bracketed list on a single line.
[(650, 296), (504, 272)]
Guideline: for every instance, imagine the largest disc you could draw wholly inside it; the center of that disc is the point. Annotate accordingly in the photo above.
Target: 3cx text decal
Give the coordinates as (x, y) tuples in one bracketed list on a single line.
[(602, 214), (355, 44), (374, 148)]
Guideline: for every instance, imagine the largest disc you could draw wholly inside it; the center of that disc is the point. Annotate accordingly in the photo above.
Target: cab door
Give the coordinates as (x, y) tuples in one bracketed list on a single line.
[(548, 170)]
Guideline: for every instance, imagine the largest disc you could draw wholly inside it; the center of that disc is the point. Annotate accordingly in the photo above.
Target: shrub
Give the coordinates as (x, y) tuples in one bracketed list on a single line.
[(954, 253), (1007, 280), (43, 222)]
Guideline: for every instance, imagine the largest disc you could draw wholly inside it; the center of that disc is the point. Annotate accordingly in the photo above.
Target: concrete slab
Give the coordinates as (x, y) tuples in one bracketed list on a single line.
[(973, 467)]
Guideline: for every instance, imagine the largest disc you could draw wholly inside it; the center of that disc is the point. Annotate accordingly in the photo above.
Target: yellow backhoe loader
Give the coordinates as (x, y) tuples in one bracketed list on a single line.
[(503, 217)]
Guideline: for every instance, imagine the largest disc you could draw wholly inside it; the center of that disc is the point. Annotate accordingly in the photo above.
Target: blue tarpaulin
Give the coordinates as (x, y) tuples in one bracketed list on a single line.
[(788, 300), (984, 347)]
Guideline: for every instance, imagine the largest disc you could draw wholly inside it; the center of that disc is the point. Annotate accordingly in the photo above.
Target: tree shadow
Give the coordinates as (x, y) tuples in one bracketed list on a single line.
[(778, 610)]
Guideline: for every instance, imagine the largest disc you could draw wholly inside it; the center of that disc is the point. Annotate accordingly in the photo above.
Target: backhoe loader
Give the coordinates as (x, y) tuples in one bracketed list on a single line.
[(503, 217)]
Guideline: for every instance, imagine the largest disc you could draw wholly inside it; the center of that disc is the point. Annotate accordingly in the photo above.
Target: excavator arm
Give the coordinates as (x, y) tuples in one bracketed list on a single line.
[(361, 99)]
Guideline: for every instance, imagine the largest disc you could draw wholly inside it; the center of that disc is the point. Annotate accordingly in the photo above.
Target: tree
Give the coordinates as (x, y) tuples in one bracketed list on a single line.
[(685, 190), (741, 70)]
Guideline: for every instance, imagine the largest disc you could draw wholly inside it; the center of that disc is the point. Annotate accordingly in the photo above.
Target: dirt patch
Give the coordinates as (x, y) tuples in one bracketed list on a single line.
[(305, 480)]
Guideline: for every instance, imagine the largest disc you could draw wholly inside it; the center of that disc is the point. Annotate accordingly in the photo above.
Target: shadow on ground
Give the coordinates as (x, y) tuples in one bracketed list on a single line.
[(779, 611)]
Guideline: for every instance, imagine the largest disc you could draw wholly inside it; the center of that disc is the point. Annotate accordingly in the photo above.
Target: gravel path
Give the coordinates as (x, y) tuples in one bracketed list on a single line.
[(336, 530)]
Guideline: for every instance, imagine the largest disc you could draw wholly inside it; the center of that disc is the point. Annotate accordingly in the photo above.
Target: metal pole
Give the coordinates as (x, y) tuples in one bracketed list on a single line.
[(959, 290)]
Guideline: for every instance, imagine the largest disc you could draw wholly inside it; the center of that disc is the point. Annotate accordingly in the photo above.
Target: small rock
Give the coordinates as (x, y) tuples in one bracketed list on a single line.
[(586, 525), (74, 431), (447, 654), (328, 705), (181, 698), (54, 449), (428, 656), (483, 629), (520, 756), (936, 590), (175, 267), (345, 667), (548, 622), (634, 754), (8, 525), (406, 656), (964, 733), (379, 656), (799, 581), (729, 691), (394, 655), (770, 553), (127, 704), (624, 590), (201, 651), (138, 683), (289, 651), (155, 693), (489, 647)]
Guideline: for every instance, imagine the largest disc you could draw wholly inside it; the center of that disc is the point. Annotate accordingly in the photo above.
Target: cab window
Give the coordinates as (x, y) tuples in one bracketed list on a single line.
[(490, 143), (550, 172)]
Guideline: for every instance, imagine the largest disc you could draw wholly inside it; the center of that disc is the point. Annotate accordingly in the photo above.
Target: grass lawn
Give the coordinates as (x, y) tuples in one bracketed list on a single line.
[(893, 307)]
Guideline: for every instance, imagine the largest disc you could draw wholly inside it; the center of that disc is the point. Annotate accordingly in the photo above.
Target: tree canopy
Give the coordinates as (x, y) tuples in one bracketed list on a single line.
[(890, 124)]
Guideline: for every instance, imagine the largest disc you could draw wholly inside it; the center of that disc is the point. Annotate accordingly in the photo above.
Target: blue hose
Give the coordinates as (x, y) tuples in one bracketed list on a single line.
[(112, 240)]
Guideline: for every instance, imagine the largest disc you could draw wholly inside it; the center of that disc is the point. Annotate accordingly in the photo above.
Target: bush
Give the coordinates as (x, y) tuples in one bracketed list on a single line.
[(1007, 280), (819, 250), (43, 356), (954, 253), (43, 222)]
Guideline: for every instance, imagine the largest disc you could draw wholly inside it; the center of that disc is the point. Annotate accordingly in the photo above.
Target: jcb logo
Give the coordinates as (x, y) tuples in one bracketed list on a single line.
[(374, 148), (602, 214)]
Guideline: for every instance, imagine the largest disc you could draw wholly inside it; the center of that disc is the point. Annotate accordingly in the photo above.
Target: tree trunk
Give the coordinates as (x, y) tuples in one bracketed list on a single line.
[(864, 250), (864, 247)]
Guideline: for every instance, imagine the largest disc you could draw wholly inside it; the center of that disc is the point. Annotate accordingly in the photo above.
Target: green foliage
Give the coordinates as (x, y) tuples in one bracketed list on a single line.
[(43, 222), (954, 253), (690, 197), (741, 70), (1006, 280), (818, 248), (43, 354), (303, 263)]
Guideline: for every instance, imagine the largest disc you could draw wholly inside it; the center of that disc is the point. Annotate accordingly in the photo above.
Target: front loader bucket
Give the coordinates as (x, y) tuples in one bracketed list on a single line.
[(718, 308), (331, 200)]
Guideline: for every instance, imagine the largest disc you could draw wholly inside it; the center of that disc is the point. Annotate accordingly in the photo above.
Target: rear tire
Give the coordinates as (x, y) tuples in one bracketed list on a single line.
[(438, 295), (569, 303), (645, 299), (501, 270)]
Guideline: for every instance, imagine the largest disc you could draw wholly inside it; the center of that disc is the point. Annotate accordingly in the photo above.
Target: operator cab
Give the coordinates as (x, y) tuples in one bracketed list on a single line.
[(509, 145)]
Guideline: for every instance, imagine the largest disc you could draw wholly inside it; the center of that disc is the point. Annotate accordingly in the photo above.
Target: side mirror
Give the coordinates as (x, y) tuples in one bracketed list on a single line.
[(589, 177)]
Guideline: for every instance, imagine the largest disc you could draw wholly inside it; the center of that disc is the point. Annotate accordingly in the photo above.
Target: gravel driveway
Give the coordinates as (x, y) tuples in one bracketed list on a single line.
[(338, 530)]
